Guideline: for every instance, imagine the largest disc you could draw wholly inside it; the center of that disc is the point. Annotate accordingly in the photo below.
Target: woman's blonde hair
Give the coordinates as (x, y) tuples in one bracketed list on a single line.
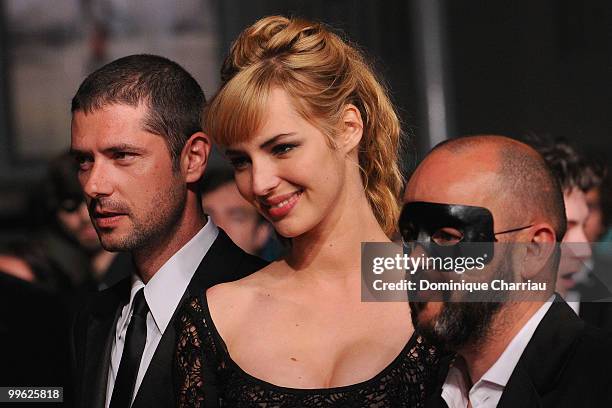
[(322, 74)]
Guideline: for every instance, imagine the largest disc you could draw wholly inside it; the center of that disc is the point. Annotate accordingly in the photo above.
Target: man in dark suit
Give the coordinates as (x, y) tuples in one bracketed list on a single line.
[(508, 352), (137, 139)]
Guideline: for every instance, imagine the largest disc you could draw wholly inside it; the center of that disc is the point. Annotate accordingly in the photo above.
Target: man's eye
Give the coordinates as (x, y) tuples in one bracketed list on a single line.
[(123, 155), (283, 148), (83, 162), (447, 236)]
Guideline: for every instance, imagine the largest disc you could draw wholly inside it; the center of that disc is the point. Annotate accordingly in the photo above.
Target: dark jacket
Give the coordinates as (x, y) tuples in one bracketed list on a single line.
[(596, 301), (33, 335), (94, 328), (565, 364)]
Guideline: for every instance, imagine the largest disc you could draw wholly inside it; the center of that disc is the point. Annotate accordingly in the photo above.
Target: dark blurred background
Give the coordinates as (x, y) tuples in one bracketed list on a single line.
[(454, 67)]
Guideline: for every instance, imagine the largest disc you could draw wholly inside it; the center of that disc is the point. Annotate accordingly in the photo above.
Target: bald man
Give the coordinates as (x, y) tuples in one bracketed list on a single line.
[(535, 353)]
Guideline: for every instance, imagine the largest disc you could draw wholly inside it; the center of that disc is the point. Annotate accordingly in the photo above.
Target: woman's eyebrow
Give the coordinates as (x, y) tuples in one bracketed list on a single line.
[(274, 139), (267, 143)]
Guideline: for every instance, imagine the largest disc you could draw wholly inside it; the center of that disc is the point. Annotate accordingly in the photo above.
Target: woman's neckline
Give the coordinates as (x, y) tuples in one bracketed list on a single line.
[(342, 388)]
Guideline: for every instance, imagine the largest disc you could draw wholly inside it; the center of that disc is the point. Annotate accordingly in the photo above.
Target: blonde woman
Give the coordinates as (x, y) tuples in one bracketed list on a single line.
[(313, 138)]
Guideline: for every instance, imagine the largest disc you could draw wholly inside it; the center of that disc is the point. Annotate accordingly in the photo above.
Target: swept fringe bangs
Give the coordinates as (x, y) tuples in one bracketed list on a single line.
[(237, 110)]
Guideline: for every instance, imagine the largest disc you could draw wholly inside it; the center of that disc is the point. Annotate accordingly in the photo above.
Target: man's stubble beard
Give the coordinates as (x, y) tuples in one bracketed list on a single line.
[(459, 324), (151, 229)]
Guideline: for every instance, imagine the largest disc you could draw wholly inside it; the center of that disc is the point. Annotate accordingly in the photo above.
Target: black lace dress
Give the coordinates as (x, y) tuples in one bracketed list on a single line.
[(206, 376)]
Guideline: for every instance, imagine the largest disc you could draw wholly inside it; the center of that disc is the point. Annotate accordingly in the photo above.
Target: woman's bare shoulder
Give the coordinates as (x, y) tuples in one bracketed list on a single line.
[(232, 302), (262, 279)]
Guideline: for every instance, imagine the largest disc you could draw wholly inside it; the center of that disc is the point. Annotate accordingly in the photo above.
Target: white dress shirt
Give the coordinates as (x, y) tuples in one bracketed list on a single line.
[(487, 391), (163, 294), (572, 298)]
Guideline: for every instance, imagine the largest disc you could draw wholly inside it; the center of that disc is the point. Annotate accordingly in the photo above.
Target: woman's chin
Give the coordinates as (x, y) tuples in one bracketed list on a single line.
[(288, 231), (287, 234)]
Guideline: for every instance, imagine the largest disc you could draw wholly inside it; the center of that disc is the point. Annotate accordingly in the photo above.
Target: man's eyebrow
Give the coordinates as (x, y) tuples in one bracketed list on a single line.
[(122, 147)]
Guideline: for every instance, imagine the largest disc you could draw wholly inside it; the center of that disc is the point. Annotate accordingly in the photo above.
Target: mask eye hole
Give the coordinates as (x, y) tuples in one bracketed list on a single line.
[(447, 236)]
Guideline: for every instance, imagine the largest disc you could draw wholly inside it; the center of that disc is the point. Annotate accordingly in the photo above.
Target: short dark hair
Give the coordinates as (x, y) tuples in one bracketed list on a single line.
[(173, 97), (570, 167)]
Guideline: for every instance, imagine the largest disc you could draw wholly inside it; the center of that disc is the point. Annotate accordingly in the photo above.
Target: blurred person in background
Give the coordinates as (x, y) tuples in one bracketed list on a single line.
[(575, 177), (67, 234), (581, 181), (606, 206), (599, 201), (598, 285), (596, 223), (236, 216)]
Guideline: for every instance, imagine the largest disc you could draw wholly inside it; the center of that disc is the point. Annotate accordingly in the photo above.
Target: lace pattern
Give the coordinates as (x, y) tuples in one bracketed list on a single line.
[(206, 375)]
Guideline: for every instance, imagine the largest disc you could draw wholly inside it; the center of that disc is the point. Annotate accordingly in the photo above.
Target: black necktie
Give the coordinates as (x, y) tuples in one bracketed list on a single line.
[(132, 352)]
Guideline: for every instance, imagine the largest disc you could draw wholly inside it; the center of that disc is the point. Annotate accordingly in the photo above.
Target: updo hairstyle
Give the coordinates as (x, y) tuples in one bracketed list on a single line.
[(321, 73)]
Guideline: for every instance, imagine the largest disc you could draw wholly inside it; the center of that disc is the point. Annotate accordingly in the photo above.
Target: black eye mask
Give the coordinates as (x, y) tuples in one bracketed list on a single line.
[(440, 227)]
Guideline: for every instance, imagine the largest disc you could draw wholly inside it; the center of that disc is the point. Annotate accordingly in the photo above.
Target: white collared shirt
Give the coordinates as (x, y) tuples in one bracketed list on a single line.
[(163, 294), (572, 298), (487, 391)]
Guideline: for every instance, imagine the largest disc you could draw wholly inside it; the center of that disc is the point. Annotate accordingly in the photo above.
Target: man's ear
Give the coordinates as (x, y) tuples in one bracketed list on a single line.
[(194, 157), (351, 129), (538, 251)]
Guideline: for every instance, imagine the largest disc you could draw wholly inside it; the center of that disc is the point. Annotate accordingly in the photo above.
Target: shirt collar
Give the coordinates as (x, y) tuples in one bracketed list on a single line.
[(499, 373), (454, 389), (166, 288), (137, 284)]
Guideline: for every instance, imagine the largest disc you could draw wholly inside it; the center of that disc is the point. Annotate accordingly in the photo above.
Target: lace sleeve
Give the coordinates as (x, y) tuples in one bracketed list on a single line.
[(190, 370)]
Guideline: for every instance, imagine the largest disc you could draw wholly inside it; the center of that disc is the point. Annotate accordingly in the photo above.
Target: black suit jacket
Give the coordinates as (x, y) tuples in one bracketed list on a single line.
[(33, 335), (598, 314), (94, 328), (566, 363), (596, 301)]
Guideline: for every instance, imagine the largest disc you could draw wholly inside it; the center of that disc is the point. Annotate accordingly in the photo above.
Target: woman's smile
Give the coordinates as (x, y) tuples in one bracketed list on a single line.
[(279, 206)]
